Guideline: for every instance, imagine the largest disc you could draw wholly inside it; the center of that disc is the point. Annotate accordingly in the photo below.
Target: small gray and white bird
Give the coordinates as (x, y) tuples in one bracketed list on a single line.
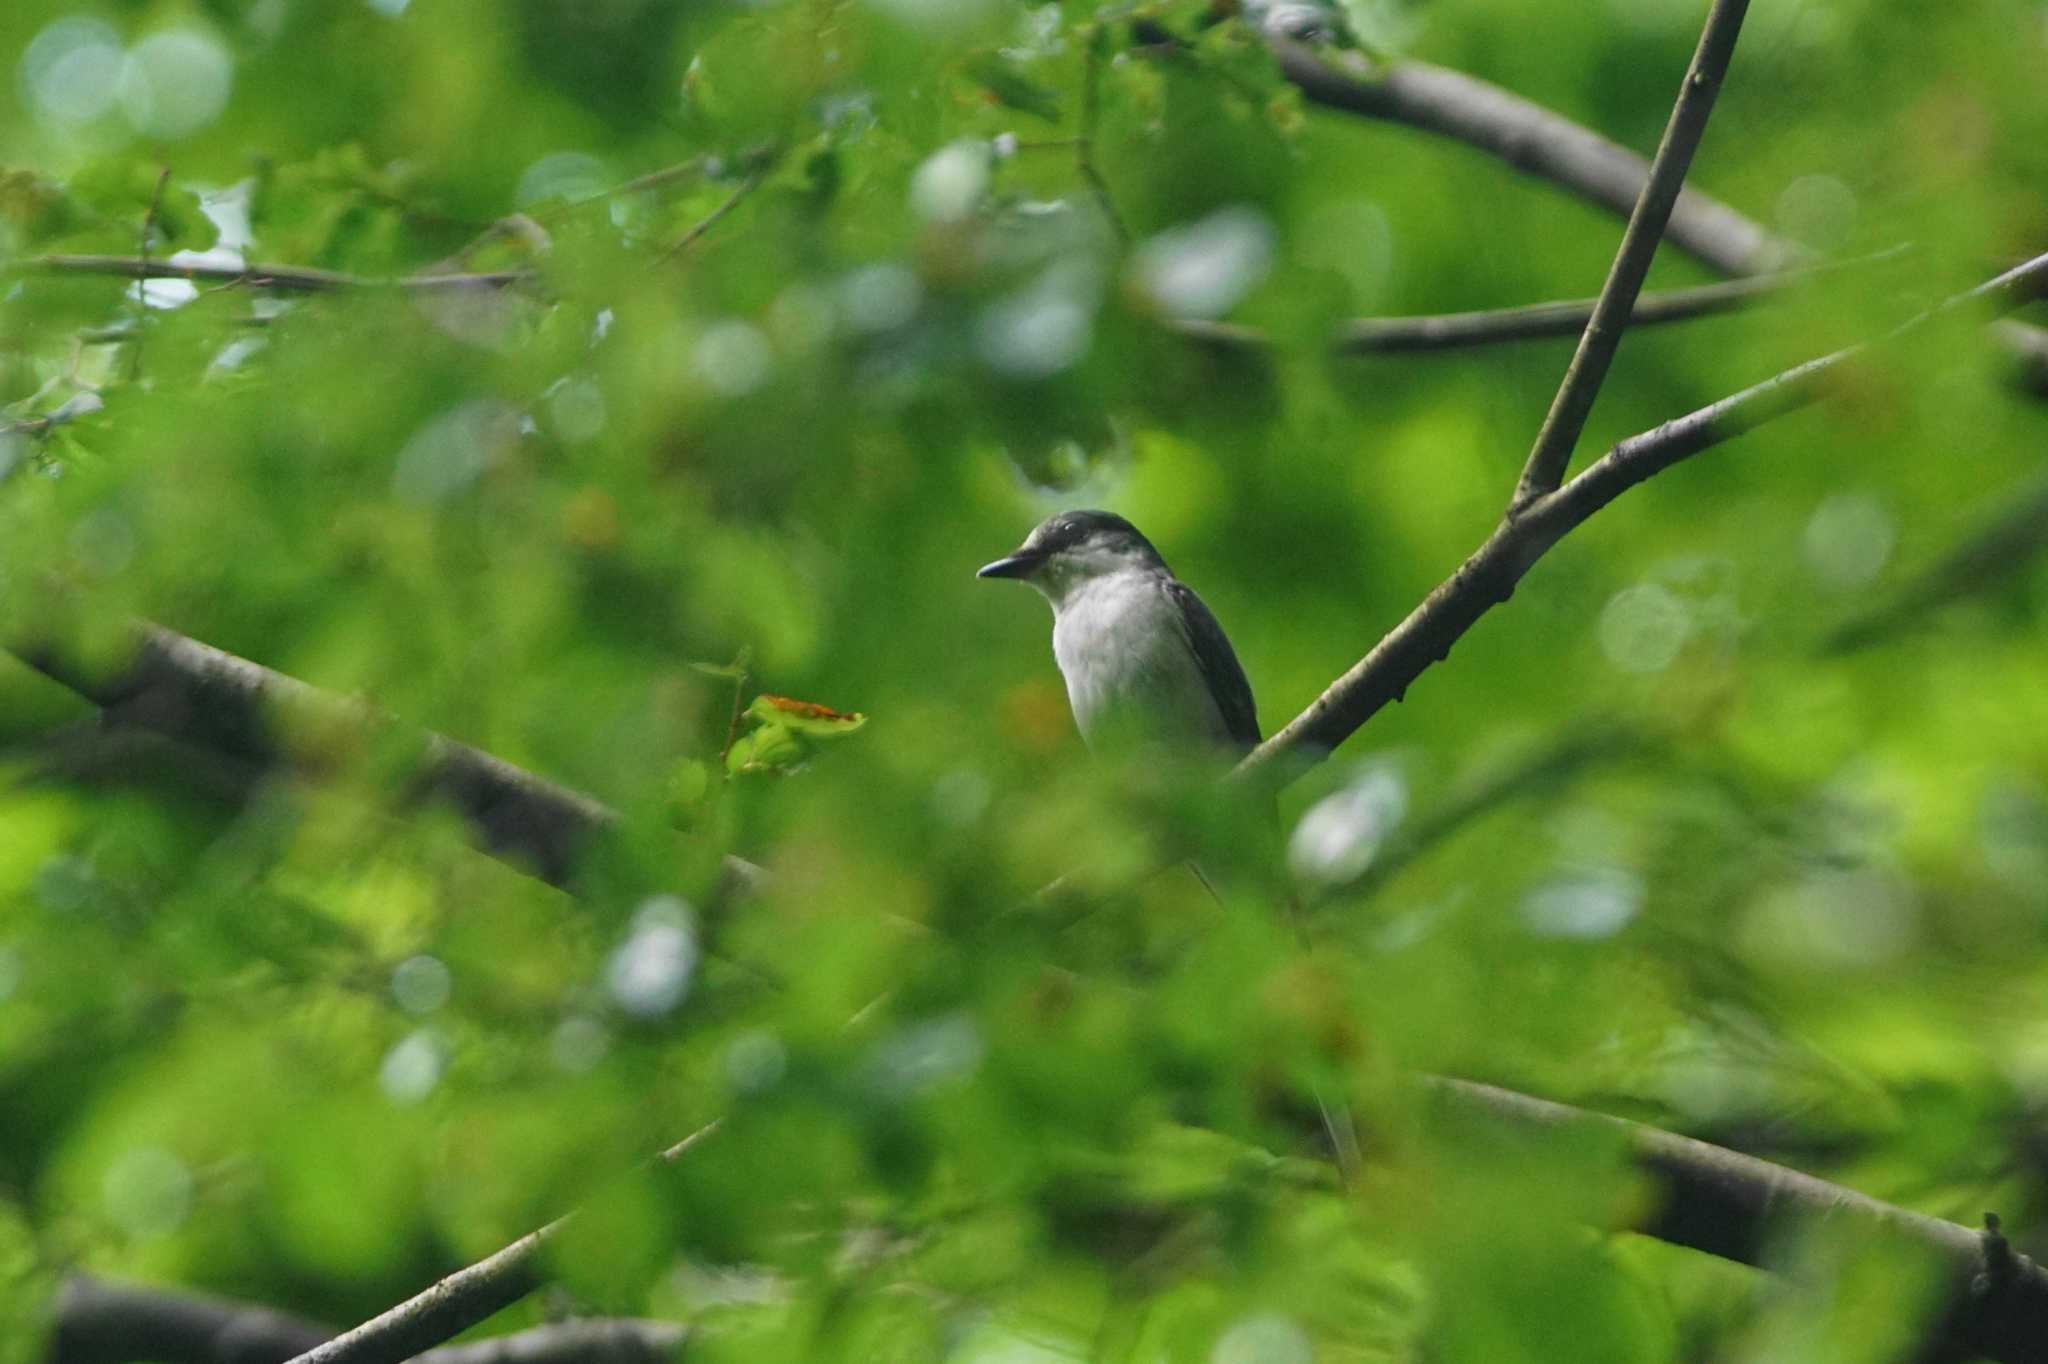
[(1142, 656)]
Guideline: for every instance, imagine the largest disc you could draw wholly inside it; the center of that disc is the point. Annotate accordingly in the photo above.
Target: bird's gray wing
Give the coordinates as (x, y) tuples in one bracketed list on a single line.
[(1220, 668)]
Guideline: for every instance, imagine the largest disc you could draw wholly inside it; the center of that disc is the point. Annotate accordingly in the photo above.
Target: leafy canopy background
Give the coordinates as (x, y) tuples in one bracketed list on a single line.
[(293, 1041)]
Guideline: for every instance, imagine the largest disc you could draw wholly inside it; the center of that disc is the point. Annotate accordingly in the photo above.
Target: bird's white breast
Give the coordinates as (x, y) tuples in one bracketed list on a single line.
[(1127, 662)]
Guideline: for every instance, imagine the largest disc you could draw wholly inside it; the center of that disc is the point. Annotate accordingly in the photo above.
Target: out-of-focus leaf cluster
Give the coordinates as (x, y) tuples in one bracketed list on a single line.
[(813, 306)]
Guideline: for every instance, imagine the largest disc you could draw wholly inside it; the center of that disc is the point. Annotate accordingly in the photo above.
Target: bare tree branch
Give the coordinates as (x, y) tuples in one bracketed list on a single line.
[(99, 1322), (1565, 317), (102, 1322), (1533, 139), (1489, 575), (194, 692), (1738, 1207), (596, 1340), (1535, 321), (1550, 146), (459, 1301), (285, 278), (2028, 347), (1551, 453)]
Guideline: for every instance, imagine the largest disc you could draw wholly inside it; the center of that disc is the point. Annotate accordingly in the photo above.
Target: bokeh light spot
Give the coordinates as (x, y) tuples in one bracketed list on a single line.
[(147, 1191), (1203, 270), (176, 82), (421, 984), (1263, 1338), (1848, 540), (413, 1067), (1337, 838), (70, 72), (1643, 628), (649, 973)]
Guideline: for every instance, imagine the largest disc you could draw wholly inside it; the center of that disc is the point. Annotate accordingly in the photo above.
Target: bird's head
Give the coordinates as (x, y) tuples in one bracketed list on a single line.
[(1073, 548)]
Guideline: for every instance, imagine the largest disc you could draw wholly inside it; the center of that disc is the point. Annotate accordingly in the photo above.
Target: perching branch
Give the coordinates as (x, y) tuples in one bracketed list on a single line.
[(1566, 421), (102, 1322), (1489, 575), (1739, 1207), (459, 1301)]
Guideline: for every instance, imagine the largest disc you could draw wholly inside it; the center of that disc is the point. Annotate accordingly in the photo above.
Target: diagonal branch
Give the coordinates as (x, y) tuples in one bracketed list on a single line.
[(193, 692), (1640, 457), (710, 220), (1530, 138), (1566, 420), (1546, 144), (1737, 1207), (1489, 575), (461, 1300)]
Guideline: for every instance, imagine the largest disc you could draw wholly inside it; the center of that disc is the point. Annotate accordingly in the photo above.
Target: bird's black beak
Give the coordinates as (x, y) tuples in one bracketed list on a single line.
[(1018, 565)]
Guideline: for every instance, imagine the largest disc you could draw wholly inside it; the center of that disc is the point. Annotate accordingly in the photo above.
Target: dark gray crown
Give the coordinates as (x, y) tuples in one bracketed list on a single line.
[(1070, 528)]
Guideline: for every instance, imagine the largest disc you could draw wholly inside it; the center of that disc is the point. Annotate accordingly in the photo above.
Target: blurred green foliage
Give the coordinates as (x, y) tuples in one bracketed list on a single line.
[(904, 292)]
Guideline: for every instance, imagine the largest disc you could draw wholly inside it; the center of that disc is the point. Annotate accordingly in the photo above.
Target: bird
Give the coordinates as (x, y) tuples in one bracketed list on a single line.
[(1143, 658)]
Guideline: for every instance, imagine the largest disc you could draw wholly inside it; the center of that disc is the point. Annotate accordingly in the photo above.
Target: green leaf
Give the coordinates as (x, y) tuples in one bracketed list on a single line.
[(805, 717), (769, 748), (1001, 78), (37, 209)]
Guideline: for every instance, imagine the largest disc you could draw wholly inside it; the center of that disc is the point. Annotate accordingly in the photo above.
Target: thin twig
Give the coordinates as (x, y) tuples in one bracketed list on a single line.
[(532, 227), (1084, 145), (1537, 321), (284, 278), (459, 1301), (1545, 144), (651, 180), (732, 724), (32, 426), (1489, 575), (156, 201), (1562, 425), (711, 219)]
